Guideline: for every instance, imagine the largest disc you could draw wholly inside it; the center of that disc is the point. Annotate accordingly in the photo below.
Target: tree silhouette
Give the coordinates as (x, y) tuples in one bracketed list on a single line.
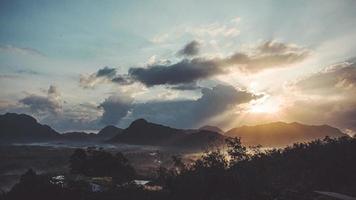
[(292, 173), (99, 163)]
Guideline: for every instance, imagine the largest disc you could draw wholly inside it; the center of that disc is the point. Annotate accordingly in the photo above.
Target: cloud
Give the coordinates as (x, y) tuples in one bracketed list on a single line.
[(228, 30), (83, 117), (27, 71), (104, 75), (185, 71), (327, 97), (334, 79), (212, 31), (190, 49), (53, 92), (70, 118), (191, 113), (44, 104), (273, 47), (115, 108), (268, 55), (20, 50), (189, 86), (106, 72), (338, 113)]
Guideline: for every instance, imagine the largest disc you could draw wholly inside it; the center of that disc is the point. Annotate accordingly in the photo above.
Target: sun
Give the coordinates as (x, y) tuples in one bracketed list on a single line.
[(264, 106)]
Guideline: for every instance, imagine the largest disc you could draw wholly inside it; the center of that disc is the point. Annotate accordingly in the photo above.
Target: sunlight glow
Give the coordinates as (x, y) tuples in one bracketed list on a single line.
[(265, 106)]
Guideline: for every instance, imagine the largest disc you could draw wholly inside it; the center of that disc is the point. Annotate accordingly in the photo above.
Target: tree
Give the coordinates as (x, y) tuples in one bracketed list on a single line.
[(236, 151), (78, 161), (178, 164), (101, 163)]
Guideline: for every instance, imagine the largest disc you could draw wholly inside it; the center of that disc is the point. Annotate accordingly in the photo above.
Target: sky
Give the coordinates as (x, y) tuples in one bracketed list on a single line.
[(82, 65)]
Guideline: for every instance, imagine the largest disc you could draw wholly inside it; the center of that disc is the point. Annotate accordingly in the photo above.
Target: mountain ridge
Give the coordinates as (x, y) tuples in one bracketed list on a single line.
[(282, 133), (21, 127), (143, 132)]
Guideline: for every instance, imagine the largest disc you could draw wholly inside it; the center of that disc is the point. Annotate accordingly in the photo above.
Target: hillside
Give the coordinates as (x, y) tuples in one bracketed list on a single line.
[(278, 134), (21, 127), (142, 132), (109, 132), (24, 128)]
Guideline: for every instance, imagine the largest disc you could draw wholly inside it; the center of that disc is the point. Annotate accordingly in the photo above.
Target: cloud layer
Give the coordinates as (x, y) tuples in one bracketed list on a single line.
[(190, 49), (191, 113), (39, 104), (268, 55), (328, 97), (103, 75), (115, 108), (185, 71)]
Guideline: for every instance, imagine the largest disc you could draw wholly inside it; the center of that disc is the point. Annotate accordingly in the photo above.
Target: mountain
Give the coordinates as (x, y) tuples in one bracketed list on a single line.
[(109, 132), (103, 135), (21, 127), (199, 139), (212, 128), (278, 134), (24, 128), (78, 136), (142, 132)]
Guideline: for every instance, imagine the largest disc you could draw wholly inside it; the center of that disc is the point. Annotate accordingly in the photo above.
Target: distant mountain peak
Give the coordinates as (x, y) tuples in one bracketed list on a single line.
[(108, 128), (109, 131), (278, 134), (24, 127), (143, 132), (139, 122), (23, 117), (211, 128)]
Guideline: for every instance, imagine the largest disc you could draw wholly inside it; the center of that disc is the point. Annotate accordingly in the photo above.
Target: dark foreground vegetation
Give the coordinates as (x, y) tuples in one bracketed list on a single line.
[(291, 173)]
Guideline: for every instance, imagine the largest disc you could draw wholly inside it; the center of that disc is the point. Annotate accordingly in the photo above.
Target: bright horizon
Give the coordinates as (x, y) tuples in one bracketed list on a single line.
[(81, 66)]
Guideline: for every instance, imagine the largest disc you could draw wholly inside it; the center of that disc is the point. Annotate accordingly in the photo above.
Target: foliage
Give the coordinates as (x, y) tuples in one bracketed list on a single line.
[(99, 163), (292, 173)]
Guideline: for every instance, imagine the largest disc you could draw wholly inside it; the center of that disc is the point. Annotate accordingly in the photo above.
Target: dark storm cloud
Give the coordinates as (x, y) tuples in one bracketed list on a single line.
[(185, 71), (192, 113), (104, 75), (50, 103), (190, 49), (122, 80), (106, 72), (115, 108)]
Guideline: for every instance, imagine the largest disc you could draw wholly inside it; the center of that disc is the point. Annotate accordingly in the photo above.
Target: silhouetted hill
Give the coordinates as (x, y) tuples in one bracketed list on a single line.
[(279, 134), (212, 128), (103, 135), (146, 133), (142, 132), (21, 127), (200, 139), (109, 132), (24, 128), (78, 136)]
